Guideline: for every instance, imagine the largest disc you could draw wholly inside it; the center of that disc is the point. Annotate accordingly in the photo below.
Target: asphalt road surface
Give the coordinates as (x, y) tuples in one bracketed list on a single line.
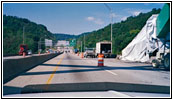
[(70, 68)]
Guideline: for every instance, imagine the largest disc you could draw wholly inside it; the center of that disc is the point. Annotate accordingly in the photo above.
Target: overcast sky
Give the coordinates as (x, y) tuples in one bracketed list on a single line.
[(76, 18)]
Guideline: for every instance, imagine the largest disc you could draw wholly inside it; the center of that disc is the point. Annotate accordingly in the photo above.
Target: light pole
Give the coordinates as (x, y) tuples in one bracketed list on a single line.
[(84, 42), (81, 46), (111, 21), (23, 34), (39, 45)]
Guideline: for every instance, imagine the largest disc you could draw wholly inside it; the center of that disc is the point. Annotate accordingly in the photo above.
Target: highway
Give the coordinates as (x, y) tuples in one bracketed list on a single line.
[(70, 68)]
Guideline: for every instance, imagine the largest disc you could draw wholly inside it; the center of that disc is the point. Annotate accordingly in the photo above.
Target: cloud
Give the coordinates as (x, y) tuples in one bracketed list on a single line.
[(124, 18), (114, 15), (99, 21), (95, 20), (135, 13), (90, 18)]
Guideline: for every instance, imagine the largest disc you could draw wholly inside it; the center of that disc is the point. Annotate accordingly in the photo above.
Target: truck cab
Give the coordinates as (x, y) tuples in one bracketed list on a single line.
[(23, 48), (89, 52)]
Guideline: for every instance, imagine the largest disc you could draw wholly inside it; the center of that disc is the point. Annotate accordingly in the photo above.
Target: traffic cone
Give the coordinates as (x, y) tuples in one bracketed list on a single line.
[(24, 54), (82, 55), (100, 60)]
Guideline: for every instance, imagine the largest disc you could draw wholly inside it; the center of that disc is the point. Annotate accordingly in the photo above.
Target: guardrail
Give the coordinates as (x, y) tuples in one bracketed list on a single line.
[(14, 67)]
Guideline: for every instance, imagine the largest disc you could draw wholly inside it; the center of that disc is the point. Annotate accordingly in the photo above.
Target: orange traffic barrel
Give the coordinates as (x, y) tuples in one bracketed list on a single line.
[(82, 55), (24, 54), (100, 60)]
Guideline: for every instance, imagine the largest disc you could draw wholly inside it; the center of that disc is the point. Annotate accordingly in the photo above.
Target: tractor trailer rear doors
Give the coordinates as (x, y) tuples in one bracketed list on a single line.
[(104, 48)]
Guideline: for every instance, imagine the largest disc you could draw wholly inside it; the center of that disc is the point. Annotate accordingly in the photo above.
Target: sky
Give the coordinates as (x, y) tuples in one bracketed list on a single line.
[(76, 18)]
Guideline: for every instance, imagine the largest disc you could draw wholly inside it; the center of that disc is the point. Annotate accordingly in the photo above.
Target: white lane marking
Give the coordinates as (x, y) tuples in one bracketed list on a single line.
[(119, 93), (111, 72)]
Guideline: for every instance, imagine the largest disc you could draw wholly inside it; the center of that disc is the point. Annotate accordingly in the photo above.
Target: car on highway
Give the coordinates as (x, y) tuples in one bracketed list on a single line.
[(89, 52), (29, 52), (76, 51)]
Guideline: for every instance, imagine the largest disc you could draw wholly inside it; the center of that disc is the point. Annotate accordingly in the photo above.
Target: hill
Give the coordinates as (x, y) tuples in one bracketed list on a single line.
[(123, 32), (13, 28), (61, 36)]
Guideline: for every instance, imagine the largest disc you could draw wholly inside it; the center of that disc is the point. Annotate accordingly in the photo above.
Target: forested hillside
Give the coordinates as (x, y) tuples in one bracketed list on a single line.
[(13, 34), (123, 32), (61, 36)]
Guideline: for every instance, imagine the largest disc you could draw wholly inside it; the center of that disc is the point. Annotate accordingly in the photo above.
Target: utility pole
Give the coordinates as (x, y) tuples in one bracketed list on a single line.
[(23, 34), (84, 42), (111, 21), (38, 46), (111, 24), (81, 46)]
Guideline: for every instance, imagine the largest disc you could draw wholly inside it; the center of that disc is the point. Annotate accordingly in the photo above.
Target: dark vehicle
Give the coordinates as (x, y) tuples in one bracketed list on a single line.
[(23, 48), (76, 50)]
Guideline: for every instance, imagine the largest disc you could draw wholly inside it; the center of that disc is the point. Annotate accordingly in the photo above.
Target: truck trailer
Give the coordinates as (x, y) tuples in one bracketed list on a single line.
[(104, 48)]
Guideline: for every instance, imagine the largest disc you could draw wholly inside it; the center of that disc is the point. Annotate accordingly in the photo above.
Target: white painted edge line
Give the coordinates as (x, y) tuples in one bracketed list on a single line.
[(111, 72)]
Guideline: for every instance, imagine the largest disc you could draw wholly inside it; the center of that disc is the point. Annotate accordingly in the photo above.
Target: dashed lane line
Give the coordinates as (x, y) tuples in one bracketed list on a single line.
[(111, 72), (52, 75)]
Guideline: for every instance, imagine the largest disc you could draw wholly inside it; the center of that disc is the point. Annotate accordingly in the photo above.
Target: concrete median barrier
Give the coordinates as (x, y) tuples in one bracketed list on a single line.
[(14, 67)]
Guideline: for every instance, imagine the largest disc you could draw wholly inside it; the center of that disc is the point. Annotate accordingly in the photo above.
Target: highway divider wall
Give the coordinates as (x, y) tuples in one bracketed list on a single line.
[(14, 67)]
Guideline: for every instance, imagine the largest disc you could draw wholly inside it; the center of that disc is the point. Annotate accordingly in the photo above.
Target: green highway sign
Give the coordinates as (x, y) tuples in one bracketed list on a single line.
[(73, 42)]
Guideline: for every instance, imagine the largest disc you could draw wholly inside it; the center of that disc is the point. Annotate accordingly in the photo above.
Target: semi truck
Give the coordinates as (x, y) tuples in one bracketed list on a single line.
[(163, 32), (23, 48), (104, 48)]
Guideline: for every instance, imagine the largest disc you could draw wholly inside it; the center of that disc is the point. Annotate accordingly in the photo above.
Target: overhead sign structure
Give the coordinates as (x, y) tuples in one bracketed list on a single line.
[(48, 42), (63, 43)]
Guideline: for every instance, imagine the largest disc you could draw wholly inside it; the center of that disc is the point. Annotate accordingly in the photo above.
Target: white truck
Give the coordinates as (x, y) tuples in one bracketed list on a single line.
[(104, 48), (89, 52)]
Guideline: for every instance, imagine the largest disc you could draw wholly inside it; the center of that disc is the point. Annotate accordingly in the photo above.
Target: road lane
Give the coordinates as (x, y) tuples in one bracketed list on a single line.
[(73, 69), (141, 72), (70, 68), (32, 76)]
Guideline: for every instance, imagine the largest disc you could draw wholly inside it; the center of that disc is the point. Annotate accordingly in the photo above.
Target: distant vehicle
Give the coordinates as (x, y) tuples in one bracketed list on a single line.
[(89, 52), (76, 50), (50, 51), (29, 52), (23, 48), (104, 48)]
